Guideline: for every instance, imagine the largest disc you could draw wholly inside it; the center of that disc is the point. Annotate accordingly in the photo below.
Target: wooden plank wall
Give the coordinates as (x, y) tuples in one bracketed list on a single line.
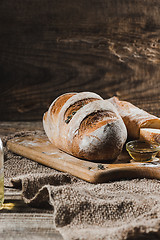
[(47, 48)]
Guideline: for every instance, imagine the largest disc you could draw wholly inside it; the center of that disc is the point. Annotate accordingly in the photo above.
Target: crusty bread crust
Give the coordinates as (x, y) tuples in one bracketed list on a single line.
[(85, 126), (134, 117), (150, 135)]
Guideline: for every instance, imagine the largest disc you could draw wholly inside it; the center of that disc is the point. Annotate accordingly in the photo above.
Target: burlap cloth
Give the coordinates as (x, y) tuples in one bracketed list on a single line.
[(115, 210)]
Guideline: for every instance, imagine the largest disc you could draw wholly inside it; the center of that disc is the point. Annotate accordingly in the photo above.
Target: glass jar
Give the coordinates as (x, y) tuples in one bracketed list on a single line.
[(1, 175)]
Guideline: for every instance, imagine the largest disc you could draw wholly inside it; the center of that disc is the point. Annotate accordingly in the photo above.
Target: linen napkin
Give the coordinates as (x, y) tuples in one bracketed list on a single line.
[(84, 211)]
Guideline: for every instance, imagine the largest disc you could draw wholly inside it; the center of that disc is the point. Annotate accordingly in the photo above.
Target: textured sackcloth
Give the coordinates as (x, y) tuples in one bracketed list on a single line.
[(115, 210)]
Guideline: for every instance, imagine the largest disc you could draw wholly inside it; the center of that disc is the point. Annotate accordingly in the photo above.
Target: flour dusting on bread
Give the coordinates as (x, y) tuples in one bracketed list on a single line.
[(134, 117), (86, 126)]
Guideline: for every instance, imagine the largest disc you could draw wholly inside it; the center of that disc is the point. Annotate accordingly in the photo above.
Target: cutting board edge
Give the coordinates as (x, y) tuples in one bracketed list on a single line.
[(90, 175)]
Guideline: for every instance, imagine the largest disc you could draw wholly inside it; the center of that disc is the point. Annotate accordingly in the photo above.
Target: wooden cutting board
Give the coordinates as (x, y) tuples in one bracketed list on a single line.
[(42, 151)]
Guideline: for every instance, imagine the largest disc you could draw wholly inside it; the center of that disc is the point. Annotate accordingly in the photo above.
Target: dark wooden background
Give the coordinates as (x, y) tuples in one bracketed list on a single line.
[(49, 47)]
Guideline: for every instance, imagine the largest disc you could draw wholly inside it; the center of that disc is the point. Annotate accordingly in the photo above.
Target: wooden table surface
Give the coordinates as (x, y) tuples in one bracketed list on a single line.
[(21, 221)]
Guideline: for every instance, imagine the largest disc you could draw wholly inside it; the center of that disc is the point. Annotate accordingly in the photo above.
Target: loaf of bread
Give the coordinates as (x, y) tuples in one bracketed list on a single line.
[(134, 117), (86, 126), (150, 135)]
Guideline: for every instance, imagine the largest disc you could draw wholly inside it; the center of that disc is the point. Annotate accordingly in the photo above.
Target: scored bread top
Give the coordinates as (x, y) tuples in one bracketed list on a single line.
[(86, 126), (50, 117), (56, 112), (95, 130)]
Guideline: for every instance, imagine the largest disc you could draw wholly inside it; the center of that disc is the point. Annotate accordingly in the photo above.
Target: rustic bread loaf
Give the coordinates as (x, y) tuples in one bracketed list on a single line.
[(134, 117), (150, 135), (86, 126)]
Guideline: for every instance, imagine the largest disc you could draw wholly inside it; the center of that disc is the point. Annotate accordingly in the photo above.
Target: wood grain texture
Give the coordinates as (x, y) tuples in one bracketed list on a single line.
[(39, 149), (52, 47), (22, 226), (8, 128)]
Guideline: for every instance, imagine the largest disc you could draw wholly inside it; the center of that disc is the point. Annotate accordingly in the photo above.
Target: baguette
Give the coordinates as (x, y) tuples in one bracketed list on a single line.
[(86, 126), (134, 117), (150, 135)]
